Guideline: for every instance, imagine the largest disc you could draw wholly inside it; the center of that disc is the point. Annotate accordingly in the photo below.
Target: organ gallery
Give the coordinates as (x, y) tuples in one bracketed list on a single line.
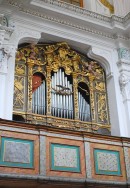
[(57, 86)]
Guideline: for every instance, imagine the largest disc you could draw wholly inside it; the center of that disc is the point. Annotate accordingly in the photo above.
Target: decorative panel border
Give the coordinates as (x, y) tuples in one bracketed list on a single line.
[(65, 171), (107, 162), (108, 174), (31, 168), (70, 156), (10, 155)]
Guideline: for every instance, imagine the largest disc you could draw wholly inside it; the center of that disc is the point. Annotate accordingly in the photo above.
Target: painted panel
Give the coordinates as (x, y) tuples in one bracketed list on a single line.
[(107, 162), (65, 158), (16, 152)]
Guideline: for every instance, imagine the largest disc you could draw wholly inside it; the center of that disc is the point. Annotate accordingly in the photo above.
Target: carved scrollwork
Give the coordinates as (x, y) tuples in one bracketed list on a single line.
[(102, 108), (19, 93), (100, 86), (20, 69), (56, 56)]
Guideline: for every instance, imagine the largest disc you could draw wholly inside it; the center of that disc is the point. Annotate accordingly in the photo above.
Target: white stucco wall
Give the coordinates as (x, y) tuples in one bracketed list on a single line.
[(89, 33)]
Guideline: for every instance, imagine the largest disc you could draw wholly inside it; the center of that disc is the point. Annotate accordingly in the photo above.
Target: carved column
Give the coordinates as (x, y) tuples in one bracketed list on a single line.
[(48, 83), (7, 62), (7, 53), (124, 81), (92, 99), (3, 73), (30, 74), (75, 90)]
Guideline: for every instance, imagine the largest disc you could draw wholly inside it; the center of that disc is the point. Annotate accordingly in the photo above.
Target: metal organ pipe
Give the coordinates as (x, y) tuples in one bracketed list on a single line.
[(62, 103), (62, 99), (39, 100), (38, 105), (84, 108)]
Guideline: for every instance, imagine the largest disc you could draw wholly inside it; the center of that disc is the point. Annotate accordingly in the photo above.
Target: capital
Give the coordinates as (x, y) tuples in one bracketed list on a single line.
[(9, 50), (124, 82), (5, 53)]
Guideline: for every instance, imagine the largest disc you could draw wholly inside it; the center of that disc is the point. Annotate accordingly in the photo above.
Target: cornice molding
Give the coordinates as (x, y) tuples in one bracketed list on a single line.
[(71, 8), (58, 5), (59, 21), (81, 11)]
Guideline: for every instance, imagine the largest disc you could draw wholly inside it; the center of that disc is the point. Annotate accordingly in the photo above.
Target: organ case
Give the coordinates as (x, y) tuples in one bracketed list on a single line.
[(57, 86)]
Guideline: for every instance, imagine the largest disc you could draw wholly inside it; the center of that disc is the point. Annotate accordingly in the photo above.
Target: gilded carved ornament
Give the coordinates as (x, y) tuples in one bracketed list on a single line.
[(108, 5), (57, 56), (48, 58)]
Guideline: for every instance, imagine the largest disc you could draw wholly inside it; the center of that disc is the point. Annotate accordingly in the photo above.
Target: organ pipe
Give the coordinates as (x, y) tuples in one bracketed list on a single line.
[(84, 107), (62, 100), (39, 100)]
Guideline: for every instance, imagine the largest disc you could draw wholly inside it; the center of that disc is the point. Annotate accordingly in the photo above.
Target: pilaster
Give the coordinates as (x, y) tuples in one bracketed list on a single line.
[(124, 80), (10, 37), (7, 51)]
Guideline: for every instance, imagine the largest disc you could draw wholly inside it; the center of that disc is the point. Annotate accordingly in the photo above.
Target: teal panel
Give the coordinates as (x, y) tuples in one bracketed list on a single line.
[(65, 168), (107, 172), (3, 162)]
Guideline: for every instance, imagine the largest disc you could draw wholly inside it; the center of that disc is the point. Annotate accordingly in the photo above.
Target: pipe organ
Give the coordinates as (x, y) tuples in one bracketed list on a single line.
[(57, 86)]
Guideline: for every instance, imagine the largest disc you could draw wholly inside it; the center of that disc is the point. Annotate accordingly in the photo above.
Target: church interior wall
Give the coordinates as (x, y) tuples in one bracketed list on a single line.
[(46, 155), (105, 49)]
